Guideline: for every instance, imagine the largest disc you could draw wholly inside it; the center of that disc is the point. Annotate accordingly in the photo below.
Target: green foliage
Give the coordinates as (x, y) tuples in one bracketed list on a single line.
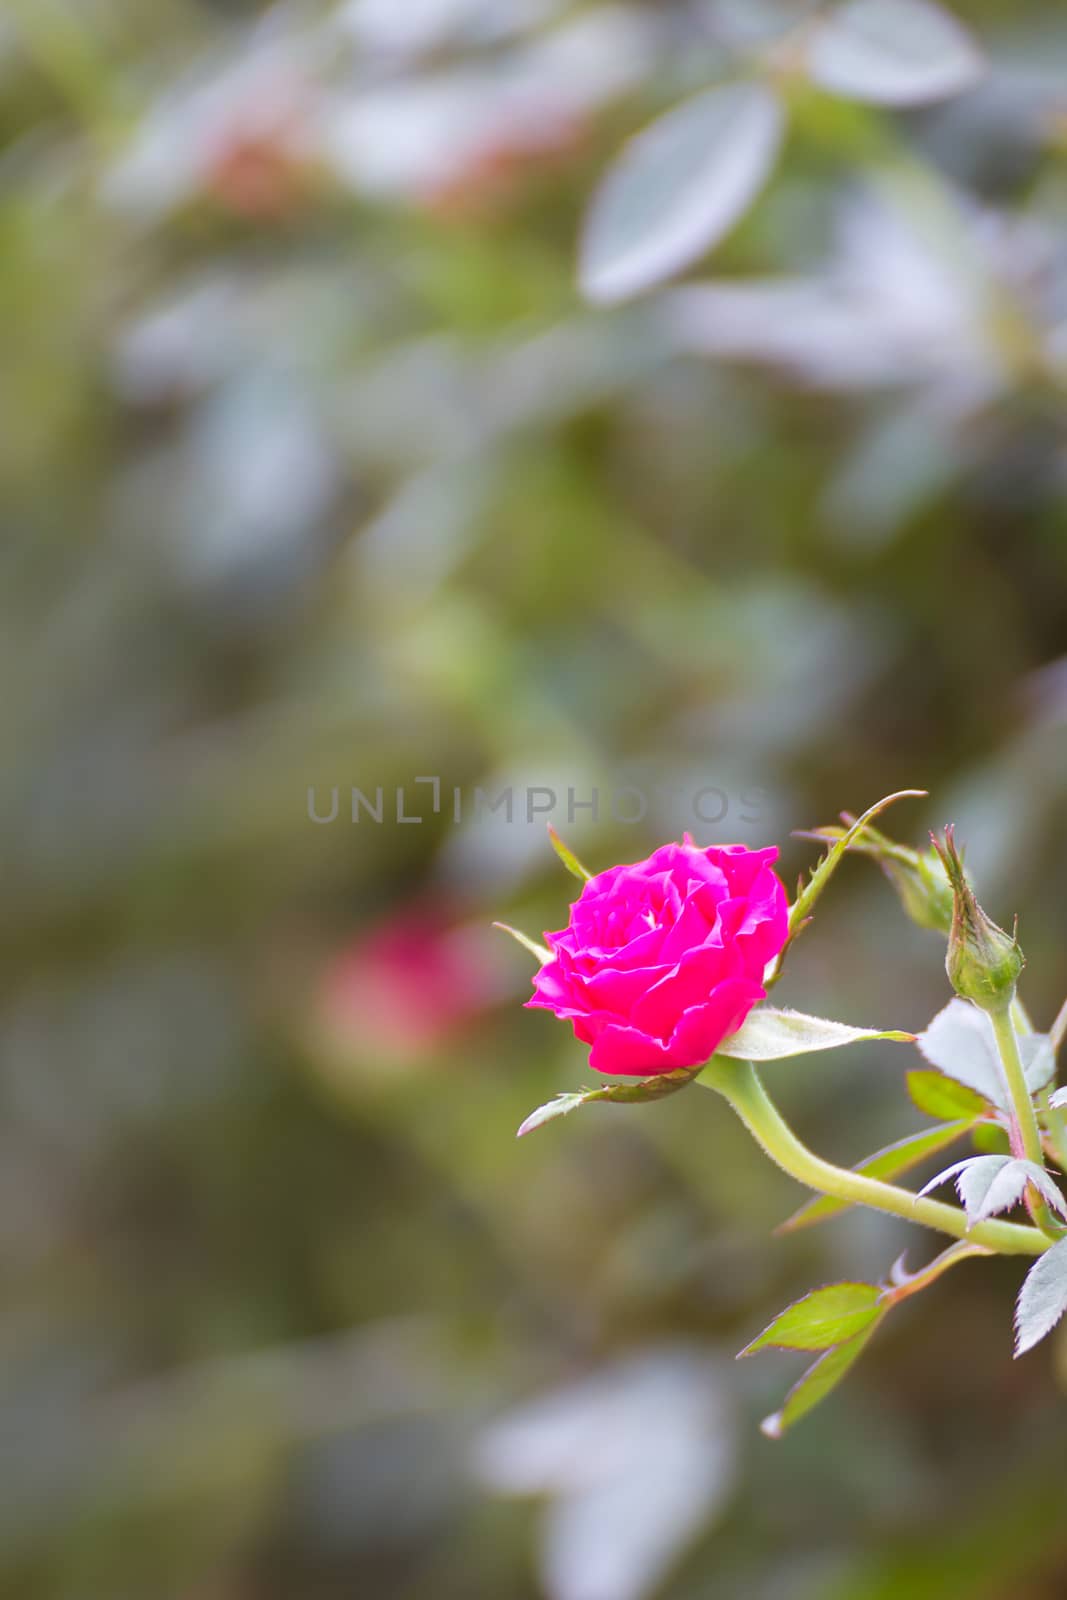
[(941, 1096), (823, 1318), (838, 1320), (770, 1033), (819, 1380)]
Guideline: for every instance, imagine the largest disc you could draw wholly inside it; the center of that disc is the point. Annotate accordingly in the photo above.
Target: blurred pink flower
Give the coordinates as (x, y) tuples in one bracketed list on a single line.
[(664, 959), (408, 986), (258, 170)]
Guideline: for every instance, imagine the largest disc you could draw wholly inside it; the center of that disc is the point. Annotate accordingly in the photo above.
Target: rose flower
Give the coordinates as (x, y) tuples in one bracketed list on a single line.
[(664, 959)]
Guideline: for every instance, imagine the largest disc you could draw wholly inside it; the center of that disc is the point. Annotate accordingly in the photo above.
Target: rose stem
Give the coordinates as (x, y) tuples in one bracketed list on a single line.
[(739, 1083), (1025, 1131)]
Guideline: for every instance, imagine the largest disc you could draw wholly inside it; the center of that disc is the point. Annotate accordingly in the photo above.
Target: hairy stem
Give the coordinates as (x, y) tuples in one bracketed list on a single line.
[(1022, 1105), (739, 1083), (1026, 1131)]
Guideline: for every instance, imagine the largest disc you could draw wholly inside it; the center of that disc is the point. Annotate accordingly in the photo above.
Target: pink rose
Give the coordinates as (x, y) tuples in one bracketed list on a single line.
[(664, 959)]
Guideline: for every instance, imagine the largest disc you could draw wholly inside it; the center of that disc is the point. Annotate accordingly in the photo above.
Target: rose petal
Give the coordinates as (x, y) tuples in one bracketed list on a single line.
[(629, 1052), (691, 982)]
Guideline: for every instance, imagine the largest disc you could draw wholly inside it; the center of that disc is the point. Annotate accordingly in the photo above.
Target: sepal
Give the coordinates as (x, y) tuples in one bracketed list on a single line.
[(542, 952), (655, 1088), (568, 857)]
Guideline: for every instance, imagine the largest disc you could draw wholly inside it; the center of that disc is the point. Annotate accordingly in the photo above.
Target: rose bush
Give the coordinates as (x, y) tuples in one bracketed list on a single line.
[(659, 969), (663, 959)]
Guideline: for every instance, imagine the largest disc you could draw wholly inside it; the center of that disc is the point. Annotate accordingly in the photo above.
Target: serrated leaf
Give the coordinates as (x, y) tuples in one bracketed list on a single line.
[(817, 1383), (822, 1318), (973, 1178), (568, 857), (1009, 1186), (987, 1185), (541, 951), (771, 1033), (893, 53), (943, 1097), (888, 1163), (960, 1042), (1046, 1185), (677, 188), (1042, 1299)]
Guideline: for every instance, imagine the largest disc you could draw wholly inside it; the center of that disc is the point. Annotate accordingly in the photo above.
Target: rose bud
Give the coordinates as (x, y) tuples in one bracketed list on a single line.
[(983, 962), (924, 890), (918, 877), (664, 959)]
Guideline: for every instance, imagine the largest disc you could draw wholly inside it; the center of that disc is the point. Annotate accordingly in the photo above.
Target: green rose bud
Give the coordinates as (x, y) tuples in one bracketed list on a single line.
[(918, 877), (983, 962), (922, 885)]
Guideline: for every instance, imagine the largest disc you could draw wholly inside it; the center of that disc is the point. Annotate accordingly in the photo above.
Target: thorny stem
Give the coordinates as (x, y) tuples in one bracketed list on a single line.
[(739, 1083), (902, 1283)]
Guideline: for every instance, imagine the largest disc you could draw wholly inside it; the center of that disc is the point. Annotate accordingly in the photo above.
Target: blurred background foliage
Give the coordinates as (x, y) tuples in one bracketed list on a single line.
[(318, 472)]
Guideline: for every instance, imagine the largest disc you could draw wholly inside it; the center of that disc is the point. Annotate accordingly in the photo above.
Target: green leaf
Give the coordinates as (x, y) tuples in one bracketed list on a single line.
[(943, 1097), (817, 1383), (960, 1042), (887, 1163), (989, 1184), (567, 856), (1042, 1299), (677, 188), (539, 950), (991, 1139), (771, 1033), (823, 1318)]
